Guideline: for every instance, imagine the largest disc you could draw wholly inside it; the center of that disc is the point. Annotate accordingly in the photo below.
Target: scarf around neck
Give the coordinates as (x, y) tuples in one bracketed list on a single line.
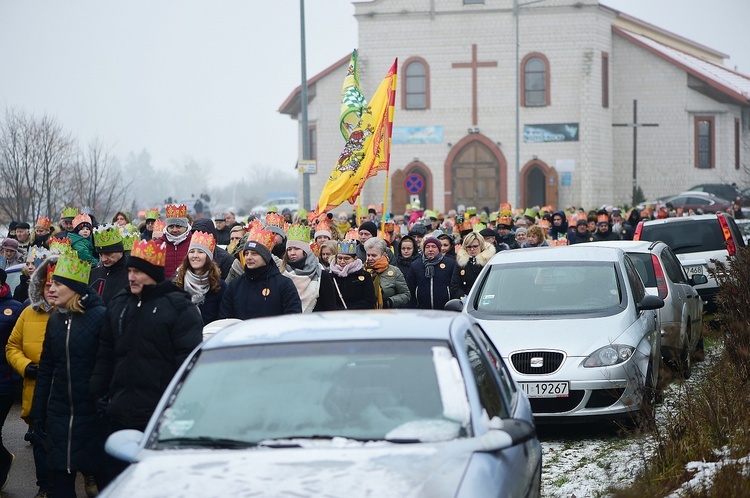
[(179, 239), (429, 264), (381, 264), (352, 267), (197, 286)]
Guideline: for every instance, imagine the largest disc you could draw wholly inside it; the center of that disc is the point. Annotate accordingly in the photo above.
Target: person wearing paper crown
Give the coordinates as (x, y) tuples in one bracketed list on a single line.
[(43, 230), (33, 259), (199, 276), (278, 225), (560, 229), (261, 290), (221, 257), (74, 432), (66, 221), (111, 277), (80, 239), (176, 236), (147, 231), (353, 285), (148, 332), (23, 351), (604, 228), (314, 286)]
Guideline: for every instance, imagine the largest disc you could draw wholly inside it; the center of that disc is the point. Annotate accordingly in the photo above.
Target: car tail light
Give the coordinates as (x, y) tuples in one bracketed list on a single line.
[(728, 240), (638, 230), (661, 281)]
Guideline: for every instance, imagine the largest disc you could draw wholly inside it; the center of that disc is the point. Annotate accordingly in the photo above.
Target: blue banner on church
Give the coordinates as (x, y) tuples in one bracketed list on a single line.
[(537, 133), (417, 134)]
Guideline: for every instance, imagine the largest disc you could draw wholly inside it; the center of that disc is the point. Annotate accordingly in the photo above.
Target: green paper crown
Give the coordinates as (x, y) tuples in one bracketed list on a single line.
[(299, 232), (152, 214), (129, 240), (71, 267), (106, 235), (479, 227), (69, 212)]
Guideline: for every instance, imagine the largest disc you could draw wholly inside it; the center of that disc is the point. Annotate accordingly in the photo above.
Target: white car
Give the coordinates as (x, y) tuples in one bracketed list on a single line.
[(577, 328), (681, 318), (281, 203)]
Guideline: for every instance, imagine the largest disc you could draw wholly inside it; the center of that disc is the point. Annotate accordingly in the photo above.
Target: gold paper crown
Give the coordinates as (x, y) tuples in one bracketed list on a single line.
[(81, 218), (176, 211), (464, 226), (150, 251), (43, 222), (106, 235), (69, 212), (299, 232), (69, 266), (262, 236), (544, 223), (602, 218), (276, 220), (50, 272), (348, 246), (61, 246), (352, 234), (390, 227), (203, 239), (152, 214), (505, 206), (159, 226), (505, 220), (129, 240)]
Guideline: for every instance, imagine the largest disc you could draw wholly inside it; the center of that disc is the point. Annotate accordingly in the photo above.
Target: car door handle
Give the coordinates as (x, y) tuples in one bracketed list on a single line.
[(690, 297)]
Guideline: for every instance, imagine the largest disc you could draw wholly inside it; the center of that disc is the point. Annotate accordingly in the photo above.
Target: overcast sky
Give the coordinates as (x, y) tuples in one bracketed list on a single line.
[(204, 79)]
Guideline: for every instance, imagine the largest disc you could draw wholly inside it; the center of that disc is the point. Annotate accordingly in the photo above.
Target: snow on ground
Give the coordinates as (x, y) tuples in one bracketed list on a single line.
[(584, 460)]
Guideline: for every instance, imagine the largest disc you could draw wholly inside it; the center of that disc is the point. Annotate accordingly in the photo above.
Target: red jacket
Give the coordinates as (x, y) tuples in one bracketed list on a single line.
[(175, 254)]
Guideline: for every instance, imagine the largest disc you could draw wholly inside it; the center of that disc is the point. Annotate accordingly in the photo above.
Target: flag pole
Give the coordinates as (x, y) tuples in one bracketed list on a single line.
[(391, 108)]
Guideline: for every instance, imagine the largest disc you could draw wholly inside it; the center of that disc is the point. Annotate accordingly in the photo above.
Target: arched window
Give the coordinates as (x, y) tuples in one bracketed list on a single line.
[(416, 86), (535, 81)]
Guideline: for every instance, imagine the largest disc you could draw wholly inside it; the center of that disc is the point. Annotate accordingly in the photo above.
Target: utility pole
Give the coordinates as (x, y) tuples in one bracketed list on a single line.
[(303, 98)]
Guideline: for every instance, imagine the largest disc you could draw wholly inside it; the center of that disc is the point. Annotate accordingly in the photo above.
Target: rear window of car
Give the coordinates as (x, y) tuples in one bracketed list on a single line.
[(645, 267), (683, 238)]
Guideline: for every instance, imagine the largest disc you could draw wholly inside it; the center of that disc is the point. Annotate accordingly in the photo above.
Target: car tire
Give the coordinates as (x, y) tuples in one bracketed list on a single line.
[(684, 363), (699, 353), (646, 416)]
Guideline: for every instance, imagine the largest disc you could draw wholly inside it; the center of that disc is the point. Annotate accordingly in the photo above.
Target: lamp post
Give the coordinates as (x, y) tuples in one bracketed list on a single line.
[(516, 7), (303, 103)]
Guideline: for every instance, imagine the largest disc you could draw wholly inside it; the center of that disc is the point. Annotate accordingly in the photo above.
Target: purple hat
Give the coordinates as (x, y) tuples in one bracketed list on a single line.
[(431, 240)]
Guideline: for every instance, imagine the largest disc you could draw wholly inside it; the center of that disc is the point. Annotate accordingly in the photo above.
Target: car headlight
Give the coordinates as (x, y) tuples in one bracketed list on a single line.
[(609, 355)]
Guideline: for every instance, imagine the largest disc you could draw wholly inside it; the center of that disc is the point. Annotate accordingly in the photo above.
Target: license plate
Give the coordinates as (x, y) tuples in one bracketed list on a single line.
[(694, 270), (546, 389)]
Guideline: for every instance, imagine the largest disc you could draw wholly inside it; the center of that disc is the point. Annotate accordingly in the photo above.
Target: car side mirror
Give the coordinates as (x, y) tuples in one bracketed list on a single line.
[(124, 445), (513, 432), (698, 279), (651, 303), (454, 305)]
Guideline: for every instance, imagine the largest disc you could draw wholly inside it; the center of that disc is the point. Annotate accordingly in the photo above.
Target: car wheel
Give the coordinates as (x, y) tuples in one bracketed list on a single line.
[(647, 414), (684, 363), (699, 353)]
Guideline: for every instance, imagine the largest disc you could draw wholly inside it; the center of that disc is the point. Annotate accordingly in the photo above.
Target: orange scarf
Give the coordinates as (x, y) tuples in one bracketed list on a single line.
[(380, 265)]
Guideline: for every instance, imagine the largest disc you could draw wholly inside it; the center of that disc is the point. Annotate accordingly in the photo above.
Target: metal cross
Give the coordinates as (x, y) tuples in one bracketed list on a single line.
[(474, 64), (635, 125)]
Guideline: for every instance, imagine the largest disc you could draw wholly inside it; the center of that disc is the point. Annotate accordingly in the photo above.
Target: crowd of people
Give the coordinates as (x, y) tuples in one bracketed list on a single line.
[(106, 313)]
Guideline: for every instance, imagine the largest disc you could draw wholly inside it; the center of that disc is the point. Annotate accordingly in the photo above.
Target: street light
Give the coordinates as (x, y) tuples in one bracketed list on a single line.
[(516, 7)]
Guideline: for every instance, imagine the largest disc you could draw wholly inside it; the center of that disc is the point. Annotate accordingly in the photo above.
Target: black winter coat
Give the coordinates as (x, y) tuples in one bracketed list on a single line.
[(430, 293), (144, 341), (109, 281), (258, 293), (212, 303), (357, 290), (75, 432), (10, 381)]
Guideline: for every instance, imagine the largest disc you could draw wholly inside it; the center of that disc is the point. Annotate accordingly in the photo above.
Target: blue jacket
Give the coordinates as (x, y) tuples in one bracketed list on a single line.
[(10, 310), (430, 293)]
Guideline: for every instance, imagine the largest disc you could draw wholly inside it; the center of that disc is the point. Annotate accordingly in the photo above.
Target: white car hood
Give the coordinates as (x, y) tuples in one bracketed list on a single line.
[(574, 336), (374, 469)]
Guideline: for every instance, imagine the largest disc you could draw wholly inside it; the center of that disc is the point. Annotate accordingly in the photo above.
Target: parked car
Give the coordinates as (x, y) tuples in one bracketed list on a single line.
[(577, 328), (744, 227), (724, 191), (707, 203), (339, 404), (696, 240), (14, 276), (681, 318), (281, 203)]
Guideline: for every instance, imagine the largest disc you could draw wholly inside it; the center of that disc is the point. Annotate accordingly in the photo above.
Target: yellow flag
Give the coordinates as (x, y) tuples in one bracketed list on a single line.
[(367, 151)]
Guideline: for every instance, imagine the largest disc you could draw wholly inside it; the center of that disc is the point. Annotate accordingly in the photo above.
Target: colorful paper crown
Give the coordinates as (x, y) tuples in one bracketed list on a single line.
[(150, 251), (505, 206), (43, 222), (129, 240), (602, 218), (505, 221), (544, 223), (37, 254), (159, 226), (203, 241), (69, 212), (50, 272), (348, 246), (262, 236), (494, 216), (106, 235), (561, 240), (81, 218), (352, 234), (299, 232), (69, 266), (276, 220), (60, 246), (152, 214), (465, 226), (479, 227), (471, 210), (176, 211)]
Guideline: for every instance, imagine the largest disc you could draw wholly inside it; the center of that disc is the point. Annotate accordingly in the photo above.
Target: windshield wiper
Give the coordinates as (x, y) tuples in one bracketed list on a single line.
[(207, 441), (270, 442), (685, 246)]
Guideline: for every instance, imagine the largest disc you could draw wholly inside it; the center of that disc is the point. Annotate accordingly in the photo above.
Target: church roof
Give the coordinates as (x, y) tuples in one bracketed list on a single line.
[(708, 77), (293, 103)]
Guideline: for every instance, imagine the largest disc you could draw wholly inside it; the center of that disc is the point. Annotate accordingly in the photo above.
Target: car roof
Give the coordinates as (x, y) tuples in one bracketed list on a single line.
[(682, 219), (627, 245), (340, 325), (577, 252)]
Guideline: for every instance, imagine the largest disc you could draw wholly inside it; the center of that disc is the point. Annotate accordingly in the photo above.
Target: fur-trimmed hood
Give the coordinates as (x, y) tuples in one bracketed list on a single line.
[(462, 257), (36, 285)]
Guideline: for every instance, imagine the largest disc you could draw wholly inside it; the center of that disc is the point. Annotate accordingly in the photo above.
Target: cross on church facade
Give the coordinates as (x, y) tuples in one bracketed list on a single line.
[(635, 125), (474, 65)]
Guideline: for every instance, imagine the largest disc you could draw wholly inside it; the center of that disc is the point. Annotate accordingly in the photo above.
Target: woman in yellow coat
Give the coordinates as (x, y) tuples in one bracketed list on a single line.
[(24, 350)]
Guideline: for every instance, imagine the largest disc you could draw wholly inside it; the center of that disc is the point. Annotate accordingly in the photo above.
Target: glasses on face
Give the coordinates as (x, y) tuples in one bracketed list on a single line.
[(473, 246)]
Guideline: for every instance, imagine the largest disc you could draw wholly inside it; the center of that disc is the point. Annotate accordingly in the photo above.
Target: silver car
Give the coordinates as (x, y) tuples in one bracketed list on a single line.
[(338, 404), (577, 328), (681, 318)]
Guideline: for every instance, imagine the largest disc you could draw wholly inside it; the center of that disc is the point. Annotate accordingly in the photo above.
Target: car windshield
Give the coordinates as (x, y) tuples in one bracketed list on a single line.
[(363, 390), (645, 266), (687, 237), (549, 288)]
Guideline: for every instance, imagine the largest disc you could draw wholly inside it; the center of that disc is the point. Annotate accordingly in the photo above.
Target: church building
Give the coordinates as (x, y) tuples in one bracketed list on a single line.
[(605, 103)]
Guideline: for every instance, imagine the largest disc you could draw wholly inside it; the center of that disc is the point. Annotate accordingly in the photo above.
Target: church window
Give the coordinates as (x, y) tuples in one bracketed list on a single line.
[(704, 142), (415, 90), (535, 81)]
